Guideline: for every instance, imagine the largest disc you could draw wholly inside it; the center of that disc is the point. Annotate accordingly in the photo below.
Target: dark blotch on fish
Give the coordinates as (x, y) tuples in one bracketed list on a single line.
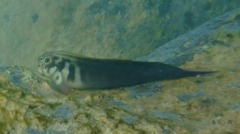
[(71, 75)]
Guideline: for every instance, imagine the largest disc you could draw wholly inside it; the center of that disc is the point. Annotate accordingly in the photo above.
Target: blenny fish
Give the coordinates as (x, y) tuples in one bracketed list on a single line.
[(68, 71)]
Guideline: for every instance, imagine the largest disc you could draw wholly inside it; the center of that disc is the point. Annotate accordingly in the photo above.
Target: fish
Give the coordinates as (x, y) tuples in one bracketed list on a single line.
[(66, 71)]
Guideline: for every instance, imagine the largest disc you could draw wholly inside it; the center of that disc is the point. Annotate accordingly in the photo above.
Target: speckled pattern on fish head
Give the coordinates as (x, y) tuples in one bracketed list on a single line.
[(60, 69), (50, 66)]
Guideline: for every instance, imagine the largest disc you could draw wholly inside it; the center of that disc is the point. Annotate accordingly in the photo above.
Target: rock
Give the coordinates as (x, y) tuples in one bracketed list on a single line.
[(202, 38)]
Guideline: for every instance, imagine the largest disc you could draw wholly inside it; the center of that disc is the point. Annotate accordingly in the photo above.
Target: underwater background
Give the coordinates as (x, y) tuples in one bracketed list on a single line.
[(188, 33)]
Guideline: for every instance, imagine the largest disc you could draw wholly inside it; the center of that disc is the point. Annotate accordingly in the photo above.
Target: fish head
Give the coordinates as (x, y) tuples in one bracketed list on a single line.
[(46, 64)]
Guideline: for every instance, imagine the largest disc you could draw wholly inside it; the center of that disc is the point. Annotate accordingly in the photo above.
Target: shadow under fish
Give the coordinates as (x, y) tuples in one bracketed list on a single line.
[(65, 70)]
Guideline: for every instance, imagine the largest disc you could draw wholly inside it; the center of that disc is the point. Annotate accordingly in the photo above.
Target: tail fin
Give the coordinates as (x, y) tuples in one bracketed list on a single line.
[(197, 72)]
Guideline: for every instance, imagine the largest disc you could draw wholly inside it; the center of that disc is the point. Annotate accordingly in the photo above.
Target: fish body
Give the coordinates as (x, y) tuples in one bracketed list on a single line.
[(71, 71)]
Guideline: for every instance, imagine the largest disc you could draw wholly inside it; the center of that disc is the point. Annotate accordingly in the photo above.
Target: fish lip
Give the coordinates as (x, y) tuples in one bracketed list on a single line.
[(40, 68)]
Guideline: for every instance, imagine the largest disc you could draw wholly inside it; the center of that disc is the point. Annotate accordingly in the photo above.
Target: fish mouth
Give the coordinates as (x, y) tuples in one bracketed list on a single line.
[(40, 69)]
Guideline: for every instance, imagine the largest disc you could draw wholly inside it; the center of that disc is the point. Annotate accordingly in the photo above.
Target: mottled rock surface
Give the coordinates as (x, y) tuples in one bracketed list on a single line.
[(218, 31), (203, 104)]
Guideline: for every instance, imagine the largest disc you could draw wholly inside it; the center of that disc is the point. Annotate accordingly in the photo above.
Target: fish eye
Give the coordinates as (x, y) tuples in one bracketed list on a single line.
[(41, 59)]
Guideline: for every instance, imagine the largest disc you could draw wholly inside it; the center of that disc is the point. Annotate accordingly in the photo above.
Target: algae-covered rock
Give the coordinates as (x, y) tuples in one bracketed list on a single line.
[(218, 31)]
